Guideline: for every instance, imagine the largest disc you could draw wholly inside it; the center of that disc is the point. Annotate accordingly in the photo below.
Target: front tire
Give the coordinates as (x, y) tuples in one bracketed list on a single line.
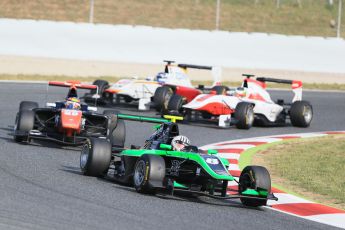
[(175, 103), (162, 97), (244, 114), (28, 105), (149, 173), (301, 114), (95, 157), (254, 177), (25, 122)]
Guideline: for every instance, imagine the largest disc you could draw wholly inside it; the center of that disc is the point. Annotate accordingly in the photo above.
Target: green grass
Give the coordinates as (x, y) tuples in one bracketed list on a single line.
[(112, 79), (311, 167), (311, 18)]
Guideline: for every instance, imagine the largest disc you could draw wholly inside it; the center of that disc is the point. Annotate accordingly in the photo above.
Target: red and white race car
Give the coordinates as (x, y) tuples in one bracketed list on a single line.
[(246, 105), (174, 80)]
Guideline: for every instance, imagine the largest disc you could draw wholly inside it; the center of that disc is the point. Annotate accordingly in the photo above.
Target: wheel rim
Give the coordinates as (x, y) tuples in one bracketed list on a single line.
[(247, 182), (84, 156), (167, 98), (307, 114), (250, 116), (139, 173)]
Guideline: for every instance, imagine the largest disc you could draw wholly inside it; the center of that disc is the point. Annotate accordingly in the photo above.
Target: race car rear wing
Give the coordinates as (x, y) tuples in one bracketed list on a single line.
[(275, 80), (185, 66), (295, 85), (216, 70), (70, 84)]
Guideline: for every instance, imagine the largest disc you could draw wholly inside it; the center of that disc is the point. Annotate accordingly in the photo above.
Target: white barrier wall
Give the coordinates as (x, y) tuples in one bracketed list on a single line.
[(143, 44)]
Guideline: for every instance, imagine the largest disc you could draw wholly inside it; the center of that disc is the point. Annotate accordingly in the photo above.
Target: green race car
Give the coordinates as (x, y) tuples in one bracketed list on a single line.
[(168, 163)]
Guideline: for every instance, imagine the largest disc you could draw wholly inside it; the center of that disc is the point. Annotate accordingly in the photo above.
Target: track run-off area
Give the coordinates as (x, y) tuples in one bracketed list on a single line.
[(42, 186)]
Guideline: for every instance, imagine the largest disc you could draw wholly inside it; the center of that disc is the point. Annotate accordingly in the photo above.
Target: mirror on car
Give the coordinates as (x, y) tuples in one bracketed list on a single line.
[(165, 147), (212, 151)]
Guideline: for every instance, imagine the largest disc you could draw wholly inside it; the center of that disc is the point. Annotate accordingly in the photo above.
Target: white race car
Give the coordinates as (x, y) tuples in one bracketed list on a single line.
[(174, 80), (247, 104)]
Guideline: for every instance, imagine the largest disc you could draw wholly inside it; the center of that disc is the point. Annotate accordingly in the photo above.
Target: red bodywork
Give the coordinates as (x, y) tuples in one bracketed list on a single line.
[(214, 108), (72, 85), (296, 84), (71, 119), (260, 83), (187, 92)]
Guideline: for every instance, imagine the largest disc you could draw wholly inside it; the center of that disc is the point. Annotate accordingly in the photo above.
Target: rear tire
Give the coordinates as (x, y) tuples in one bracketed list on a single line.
[(162, 97), (254, 177), (118, 135), (244, 114), (116, 129), (149, 173), (28, 105), (102, 85), (95, 157), (301, 114), (25, 121), (176, 102)]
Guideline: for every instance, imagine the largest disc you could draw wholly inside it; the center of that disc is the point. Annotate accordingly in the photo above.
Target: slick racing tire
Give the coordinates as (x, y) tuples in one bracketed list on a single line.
[(118, 135), (162, 97), (301, 114), (95, 157), (25, 121), (149, 173), (244, 114), (175, 103), (220, 90), (102, 85), (254, 177), (116, 129), (112, 118), (28, 105)]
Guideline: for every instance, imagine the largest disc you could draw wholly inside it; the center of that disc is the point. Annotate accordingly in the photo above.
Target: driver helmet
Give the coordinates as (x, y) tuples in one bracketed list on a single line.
[(180, 142), (160, 77), (72, 103), (241, 92)]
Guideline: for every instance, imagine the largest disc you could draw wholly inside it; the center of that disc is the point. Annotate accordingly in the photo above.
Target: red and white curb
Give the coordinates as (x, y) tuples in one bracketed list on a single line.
[(286, 203)]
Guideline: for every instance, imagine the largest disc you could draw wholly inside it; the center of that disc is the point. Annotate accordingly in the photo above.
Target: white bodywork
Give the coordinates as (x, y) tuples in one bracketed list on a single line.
[(254, 94), (175, 76), (144, 89), (134, 88)]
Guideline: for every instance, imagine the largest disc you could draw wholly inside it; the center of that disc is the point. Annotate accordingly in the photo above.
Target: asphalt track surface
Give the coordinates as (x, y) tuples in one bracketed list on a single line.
[(41, 186)]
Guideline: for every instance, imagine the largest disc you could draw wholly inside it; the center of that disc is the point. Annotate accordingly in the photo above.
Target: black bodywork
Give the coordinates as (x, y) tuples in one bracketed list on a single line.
[(47, 125)]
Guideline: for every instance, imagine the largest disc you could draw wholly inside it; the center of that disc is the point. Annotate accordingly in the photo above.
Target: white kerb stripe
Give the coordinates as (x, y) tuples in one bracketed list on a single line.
[(284, 198), (234, 146), (337, 220)]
